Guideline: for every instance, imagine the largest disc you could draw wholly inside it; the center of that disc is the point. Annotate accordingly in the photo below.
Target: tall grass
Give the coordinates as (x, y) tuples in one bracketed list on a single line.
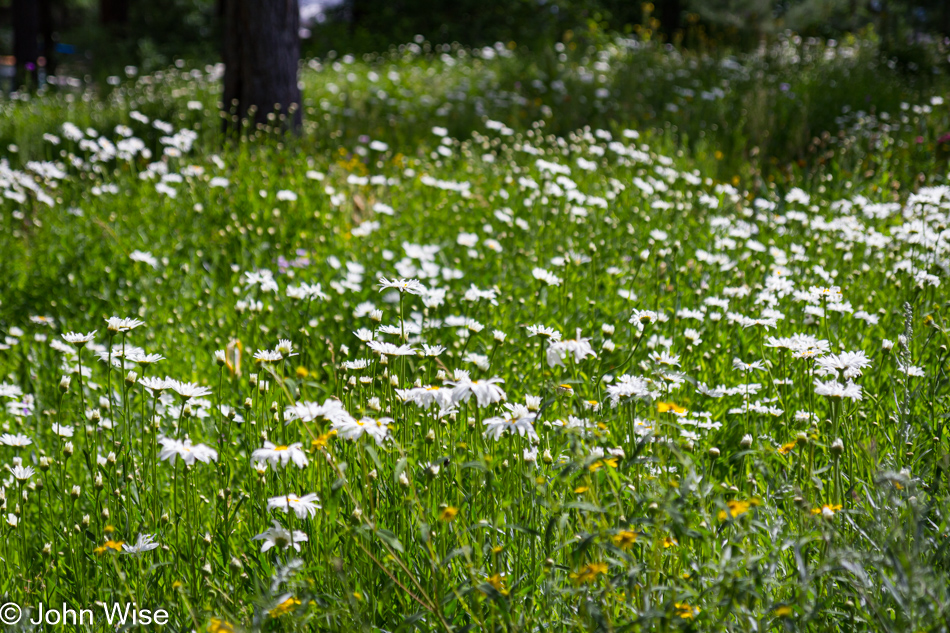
[(722, 403)]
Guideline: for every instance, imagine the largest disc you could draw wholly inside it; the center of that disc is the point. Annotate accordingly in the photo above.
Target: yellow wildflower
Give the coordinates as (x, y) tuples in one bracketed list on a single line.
[(321, 442), (286, 606), (498, 583), (589, 573), (610, 461), (735, 508), (115, 546), (624, 539), (785, 449), (217, 625), (833, 508)]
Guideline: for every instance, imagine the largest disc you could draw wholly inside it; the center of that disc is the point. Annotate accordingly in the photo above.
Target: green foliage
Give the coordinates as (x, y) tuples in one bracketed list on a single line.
[(744, 495)]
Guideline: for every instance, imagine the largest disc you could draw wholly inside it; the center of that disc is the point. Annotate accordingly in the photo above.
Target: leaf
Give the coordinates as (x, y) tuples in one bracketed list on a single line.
[(577, 554), (390, 539), (461, 551), (521, 528), (400, 468), (583, 505), (372, 455)]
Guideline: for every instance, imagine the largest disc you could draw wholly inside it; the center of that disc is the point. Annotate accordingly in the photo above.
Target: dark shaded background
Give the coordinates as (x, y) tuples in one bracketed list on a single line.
[(100, 37)]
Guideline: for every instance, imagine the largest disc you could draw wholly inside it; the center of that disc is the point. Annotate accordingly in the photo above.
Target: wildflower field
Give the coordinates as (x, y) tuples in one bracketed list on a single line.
[(480, 350)]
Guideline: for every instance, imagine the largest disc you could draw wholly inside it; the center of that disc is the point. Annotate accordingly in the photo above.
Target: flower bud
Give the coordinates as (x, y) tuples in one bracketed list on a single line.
[(746, 441), (837, 447), (64, 384), (714, 452), (131, 377)]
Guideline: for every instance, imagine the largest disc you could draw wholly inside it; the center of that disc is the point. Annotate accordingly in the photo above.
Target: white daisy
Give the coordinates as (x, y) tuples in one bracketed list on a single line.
[(79, 340), (281, 454), (411, 286), (281, 537), (189, 453), (19, 440), (302, 506), (144, 543)]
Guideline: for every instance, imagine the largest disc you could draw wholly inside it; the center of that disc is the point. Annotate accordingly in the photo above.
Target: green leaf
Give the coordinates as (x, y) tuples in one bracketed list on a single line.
[(390, 539)]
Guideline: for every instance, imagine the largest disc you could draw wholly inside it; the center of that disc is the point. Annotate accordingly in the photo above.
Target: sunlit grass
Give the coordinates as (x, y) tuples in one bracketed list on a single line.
[(386, 376)]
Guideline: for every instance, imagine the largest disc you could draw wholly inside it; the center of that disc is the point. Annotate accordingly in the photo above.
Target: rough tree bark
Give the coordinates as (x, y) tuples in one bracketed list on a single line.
[(46, 30), (261, 53), (113, 13), (26, 50), (670, 13)]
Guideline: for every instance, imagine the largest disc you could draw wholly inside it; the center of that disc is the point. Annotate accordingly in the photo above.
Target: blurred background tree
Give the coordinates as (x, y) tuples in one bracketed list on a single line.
[(261, 54), (99, 38)]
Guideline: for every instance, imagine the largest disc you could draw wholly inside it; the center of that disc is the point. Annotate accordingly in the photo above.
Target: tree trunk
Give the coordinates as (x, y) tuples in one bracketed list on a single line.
[(113, 12), (26, 50), (261, 53), (46, 28), (670, 12)]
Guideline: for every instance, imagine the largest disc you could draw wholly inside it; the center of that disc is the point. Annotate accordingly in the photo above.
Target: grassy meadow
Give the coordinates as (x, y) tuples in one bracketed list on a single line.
[(604, 337)]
